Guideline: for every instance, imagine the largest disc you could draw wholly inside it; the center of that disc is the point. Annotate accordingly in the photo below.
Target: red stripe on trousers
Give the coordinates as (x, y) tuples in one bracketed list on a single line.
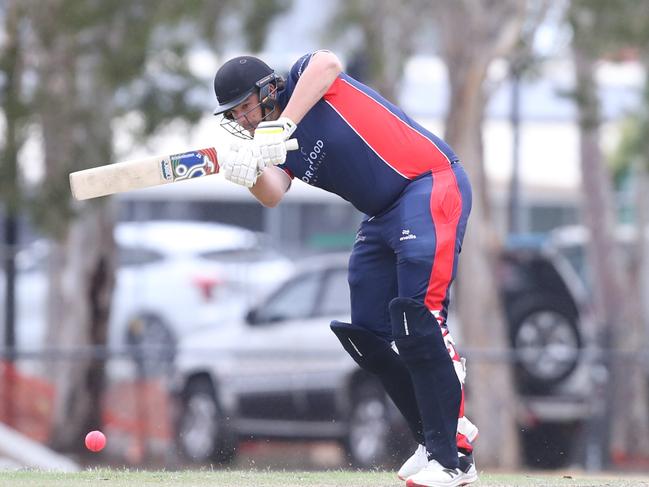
[(445, 209), (402, 147)]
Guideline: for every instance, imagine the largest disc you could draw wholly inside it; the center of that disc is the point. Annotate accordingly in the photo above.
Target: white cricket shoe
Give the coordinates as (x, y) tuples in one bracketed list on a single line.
[(467, 467), (414, 464), (419, 460), (436, 475)]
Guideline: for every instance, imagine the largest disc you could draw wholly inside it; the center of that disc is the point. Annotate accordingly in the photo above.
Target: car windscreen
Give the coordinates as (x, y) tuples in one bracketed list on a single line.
[(249, 255), (133, 256), (295, 300), (335, 299)]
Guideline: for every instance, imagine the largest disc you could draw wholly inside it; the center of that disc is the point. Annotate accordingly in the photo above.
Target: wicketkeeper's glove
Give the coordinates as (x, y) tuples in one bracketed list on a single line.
[(270, 138)]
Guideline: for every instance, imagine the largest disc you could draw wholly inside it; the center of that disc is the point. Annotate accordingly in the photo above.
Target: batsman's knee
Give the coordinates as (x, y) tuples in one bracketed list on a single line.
[(411, 318), (366, 348), (416, 331)]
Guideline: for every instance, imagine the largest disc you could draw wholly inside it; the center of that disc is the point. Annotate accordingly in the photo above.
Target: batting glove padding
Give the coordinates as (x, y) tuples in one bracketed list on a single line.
[(241, 164), (270, 138)]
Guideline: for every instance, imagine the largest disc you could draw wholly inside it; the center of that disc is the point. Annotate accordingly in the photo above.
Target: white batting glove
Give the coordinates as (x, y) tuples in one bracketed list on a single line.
[(241, 164), (270, 138)]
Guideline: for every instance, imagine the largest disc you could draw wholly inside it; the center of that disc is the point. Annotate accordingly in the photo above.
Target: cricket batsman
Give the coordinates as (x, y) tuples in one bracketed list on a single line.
[(416, 198)]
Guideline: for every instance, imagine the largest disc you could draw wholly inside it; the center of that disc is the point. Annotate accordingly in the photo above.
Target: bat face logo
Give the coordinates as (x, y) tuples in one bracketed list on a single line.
[(194, 164)]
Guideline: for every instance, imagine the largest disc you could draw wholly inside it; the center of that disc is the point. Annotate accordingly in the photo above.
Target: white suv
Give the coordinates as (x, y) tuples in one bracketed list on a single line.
[(171, 275), (281, 373)]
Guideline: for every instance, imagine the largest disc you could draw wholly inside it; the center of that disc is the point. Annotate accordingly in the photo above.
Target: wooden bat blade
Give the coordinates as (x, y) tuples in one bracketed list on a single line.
[(142, 173), (115, 178)]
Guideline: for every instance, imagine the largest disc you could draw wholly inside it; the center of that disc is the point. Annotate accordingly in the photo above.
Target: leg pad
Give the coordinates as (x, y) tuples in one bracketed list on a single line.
[(438, 392), (376, 355)]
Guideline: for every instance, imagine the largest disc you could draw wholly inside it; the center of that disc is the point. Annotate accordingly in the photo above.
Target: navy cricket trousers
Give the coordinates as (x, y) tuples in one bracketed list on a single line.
[(411, 249)]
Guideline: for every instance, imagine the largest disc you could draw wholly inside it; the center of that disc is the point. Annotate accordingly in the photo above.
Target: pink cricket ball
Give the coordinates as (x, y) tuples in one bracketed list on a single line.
[(95, 441)]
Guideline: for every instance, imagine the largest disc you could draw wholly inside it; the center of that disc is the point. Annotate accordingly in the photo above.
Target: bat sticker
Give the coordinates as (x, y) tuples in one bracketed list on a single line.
[(194, 164), (166, 170)]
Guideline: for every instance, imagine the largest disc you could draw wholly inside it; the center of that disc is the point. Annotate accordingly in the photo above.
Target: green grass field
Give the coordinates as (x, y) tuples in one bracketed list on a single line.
[(335, 478)]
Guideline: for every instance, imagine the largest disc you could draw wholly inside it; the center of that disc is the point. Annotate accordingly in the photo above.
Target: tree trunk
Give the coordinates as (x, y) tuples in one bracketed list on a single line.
[(630, 436), (388, 32), (491, 399), (611, 304), (637, 429), (488, 30), (81, 282), (11, 70), (76, 129)]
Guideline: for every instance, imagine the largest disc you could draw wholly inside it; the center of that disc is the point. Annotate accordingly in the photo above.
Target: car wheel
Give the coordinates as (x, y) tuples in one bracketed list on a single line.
[(155, 345), (369, 432), (546, 340), (201, 432)]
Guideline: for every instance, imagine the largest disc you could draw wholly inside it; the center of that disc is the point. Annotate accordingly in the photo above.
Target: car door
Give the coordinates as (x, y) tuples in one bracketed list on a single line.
[(324, 365), (265, 362)]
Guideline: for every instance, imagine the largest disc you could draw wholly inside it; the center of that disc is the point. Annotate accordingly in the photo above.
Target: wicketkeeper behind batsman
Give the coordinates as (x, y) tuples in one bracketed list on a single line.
[(416, 197)]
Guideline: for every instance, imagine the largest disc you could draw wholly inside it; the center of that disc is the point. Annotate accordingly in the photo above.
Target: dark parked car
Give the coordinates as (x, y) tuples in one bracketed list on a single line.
[(548, 312), (280, 372), (543, 300)]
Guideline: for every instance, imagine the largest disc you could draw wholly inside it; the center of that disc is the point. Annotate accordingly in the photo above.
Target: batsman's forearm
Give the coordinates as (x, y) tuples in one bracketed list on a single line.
[(322, 70), (271, 186)]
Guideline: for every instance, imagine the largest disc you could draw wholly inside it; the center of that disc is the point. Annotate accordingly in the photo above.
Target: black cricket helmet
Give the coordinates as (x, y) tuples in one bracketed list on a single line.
[(236, 80)]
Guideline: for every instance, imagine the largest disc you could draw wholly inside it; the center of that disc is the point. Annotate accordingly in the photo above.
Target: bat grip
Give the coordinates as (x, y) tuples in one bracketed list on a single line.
[(291, 144)]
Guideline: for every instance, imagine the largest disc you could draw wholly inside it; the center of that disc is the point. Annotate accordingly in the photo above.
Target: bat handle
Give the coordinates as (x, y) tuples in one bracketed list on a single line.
[(291, 144)]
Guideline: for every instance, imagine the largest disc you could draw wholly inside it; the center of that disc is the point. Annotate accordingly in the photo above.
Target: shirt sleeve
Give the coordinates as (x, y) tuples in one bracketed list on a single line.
[(300, 65)]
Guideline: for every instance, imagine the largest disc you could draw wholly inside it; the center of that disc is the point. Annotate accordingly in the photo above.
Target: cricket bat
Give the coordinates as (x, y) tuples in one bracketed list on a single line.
[(147, 172)]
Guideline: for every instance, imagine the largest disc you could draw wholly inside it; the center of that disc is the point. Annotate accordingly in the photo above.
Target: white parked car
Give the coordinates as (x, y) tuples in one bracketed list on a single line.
[(281, 373), (171, 275)]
